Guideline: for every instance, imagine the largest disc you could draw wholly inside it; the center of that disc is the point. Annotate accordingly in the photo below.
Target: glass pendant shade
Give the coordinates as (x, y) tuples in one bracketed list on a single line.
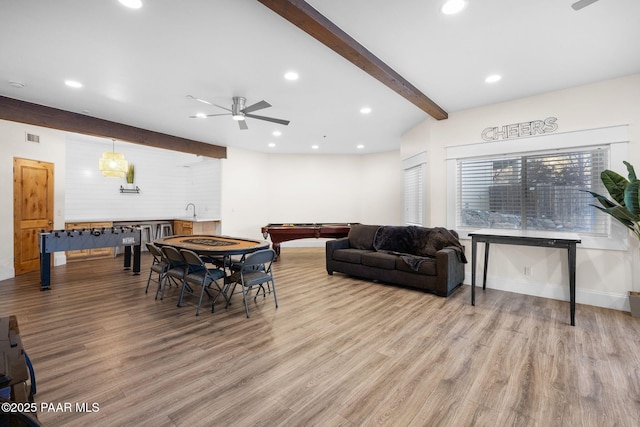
[(113, 164)]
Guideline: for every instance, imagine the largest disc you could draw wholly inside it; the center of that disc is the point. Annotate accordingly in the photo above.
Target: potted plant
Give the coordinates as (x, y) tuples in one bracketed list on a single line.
[(130, 174), (625, 208)]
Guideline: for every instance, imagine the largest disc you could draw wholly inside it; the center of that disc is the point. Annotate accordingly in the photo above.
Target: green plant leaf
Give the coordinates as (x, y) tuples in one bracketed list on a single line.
[(627, 223), (622, 214), (615, 184), (631, 170), (631, 197), (602, 199)]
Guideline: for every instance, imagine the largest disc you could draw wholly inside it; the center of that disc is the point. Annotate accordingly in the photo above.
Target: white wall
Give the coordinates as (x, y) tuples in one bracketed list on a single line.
[(603, 276), (286, 188), (167, 180), (50, 149)]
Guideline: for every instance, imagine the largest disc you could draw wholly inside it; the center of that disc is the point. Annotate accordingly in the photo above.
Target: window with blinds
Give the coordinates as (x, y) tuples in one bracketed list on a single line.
[(538, 191), (414, 195)]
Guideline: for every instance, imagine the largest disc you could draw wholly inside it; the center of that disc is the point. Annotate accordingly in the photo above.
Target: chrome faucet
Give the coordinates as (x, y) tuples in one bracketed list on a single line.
[(194, 209)]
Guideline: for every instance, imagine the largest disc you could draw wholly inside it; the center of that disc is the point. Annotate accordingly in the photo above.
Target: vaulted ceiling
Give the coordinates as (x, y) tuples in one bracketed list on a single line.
[(138, 67)]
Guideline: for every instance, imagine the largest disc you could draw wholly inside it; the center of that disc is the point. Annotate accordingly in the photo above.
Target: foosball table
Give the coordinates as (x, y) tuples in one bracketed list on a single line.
[(88, 238)]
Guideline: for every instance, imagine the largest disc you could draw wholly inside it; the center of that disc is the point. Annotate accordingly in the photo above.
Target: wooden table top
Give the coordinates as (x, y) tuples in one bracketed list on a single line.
[(213, 245)]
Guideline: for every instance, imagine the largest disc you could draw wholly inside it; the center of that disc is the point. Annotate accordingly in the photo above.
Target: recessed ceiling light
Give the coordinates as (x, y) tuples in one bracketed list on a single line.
[(451, 7), (277, 133), (272, 144), (201, 115), (315, 147), (73, 83), (493, 78), (360, 146), (132, 4), (291, 75), (365, 110)]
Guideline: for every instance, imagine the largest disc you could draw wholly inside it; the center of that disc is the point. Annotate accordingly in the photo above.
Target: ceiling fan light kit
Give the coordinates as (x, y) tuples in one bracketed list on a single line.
[(239, 111)]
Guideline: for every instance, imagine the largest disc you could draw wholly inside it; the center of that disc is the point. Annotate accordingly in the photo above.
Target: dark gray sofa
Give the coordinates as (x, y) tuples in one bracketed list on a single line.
[(431, 259)]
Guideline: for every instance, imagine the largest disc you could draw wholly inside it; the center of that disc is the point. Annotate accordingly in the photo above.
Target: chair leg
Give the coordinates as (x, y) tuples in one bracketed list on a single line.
[(200, 301), (230, 293), (245, 293), (220, 291), (184, 285), (275, 297), (161, 285), (148, 281)]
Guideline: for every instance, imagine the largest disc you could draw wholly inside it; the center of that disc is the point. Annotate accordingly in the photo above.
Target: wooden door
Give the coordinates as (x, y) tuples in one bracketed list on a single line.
[(32, 210)]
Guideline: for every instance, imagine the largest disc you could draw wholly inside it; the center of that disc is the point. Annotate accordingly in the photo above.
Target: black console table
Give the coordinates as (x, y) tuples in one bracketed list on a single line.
[(525, 238)]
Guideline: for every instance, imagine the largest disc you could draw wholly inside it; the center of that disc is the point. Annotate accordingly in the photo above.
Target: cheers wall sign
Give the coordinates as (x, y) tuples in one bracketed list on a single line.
[(521, 130)]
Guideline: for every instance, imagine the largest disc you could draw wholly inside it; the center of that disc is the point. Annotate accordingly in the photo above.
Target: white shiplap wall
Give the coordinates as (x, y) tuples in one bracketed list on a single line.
[(168, 180)]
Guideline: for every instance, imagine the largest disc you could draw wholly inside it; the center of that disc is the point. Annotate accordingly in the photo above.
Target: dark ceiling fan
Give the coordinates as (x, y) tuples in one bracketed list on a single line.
[(582, 3), (239, 111)]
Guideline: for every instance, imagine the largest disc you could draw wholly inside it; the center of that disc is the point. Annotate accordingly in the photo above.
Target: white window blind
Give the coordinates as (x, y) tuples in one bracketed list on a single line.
[(414, 195), (539, 191)]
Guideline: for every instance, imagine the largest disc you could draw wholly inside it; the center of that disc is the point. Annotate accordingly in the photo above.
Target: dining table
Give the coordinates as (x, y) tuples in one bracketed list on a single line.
[(217, 250)]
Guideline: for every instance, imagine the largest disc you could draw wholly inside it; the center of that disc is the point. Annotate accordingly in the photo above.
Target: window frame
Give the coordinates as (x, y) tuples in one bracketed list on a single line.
[(615, 137)]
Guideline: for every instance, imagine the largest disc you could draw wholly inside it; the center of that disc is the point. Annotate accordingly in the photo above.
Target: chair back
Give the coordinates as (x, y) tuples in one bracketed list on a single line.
[(192, 258), (173, 256), (155, 252), (258, 259)]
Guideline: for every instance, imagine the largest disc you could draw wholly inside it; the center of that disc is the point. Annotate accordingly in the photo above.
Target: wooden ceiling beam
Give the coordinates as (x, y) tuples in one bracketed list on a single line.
[(308, 19), (34, 114)]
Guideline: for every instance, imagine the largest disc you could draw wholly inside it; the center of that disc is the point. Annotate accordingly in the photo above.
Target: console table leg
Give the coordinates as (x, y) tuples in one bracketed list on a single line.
[(572, 282), (486, 265), (473, 270)]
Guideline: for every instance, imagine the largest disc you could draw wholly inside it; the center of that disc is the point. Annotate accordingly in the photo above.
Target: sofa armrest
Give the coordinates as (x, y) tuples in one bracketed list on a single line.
[(331, 245), (450, 270)]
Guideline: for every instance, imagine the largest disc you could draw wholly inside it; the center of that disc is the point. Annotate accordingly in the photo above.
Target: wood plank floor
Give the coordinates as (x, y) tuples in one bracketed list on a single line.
[(337, 352)]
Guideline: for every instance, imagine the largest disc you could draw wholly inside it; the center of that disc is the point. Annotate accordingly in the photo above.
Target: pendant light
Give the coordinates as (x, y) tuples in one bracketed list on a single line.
[(113, 164)]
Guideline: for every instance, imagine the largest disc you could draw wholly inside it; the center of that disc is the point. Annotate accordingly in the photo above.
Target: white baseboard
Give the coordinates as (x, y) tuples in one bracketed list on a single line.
[(6, 273), (610, 300)]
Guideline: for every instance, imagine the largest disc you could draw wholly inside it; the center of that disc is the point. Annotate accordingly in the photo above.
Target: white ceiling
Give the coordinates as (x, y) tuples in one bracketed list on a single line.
[(138, 66)]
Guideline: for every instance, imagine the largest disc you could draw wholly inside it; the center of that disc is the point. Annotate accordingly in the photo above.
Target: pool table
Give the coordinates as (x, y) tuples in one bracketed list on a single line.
[(284, 232)]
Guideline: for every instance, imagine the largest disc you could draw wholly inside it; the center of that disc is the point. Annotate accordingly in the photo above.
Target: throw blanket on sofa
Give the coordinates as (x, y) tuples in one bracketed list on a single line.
[(414, 243)]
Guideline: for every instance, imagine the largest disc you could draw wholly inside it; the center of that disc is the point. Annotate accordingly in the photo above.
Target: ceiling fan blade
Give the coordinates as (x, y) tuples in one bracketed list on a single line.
[(220, 106), (257, 106), (198, 99), (209, 115), (204, 101), (582, 3), (243, 124), (268, 119)]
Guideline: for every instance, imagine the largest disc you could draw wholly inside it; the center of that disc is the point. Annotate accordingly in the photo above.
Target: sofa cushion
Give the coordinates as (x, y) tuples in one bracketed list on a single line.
[(353, 256), (361, 236), (427, 266), (380, 260)]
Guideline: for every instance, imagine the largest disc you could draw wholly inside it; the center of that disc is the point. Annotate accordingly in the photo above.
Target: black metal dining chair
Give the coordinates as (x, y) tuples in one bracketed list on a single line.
[(254, 270), (198, 274), (158, 267), (176, 270)]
